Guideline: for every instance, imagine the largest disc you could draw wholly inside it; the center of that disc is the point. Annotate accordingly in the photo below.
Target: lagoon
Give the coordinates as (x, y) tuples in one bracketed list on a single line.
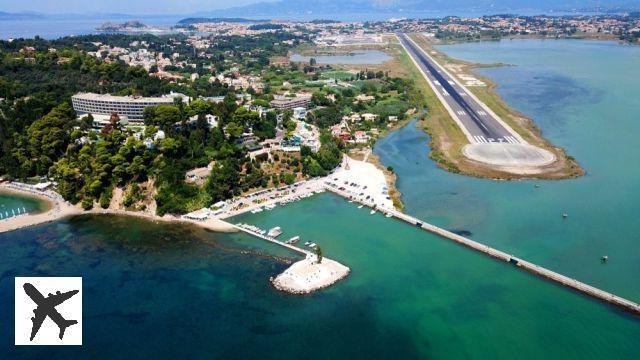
[(365, 57)]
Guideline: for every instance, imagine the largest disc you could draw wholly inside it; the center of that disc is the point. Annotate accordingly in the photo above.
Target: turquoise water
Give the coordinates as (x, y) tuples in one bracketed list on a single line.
[(358, 57), (582, 94), (166, 291), (9, 202)]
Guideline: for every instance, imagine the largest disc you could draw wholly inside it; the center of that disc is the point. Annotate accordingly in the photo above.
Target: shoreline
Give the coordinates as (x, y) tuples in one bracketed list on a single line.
[(302, 277), (447, 141), (60, 209)]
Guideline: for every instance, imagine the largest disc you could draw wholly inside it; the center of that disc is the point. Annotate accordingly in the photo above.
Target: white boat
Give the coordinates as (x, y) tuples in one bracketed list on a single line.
[(389, 215), (274, 232), (256, 210), (372, 212), (293, 240), (270, 207), (312, 245), (360, 207), (307, 243)]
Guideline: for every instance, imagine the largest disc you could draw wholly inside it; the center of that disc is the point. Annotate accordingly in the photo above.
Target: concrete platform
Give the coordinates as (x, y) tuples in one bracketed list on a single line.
[(512, 157), (306, 276)]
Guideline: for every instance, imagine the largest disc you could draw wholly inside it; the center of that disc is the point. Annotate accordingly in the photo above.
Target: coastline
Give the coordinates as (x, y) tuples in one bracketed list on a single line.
[(302, 277), (59, 209), (447, 140)]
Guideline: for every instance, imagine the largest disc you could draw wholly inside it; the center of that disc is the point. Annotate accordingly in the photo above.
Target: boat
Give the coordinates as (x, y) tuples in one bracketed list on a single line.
[(270, 207), (372, 212), (565, 215), (256, 210), (604, 258), (360, 207), (293, 240), (307, 243), (274, 232), (389, 215), (312, 245)]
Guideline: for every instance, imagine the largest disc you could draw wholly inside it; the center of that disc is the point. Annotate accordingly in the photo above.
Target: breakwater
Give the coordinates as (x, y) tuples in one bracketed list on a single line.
[(501, 255)]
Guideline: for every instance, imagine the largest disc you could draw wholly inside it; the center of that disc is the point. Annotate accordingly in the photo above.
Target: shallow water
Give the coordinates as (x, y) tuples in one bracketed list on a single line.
[(11, 203), (582, 95)]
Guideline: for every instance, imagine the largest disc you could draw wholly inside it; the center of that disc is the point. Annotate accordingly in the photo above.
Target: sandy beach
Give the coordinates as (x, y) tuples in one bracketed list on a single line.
[(57, 209), (60, 209)]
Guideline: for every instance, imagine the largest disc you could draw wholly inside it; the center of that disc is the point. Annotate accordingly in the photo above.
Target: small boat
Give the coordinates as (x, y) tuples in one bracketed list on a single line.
[(312, 245), (604, 258), (565, 215), (307, 243), (274, 232), (256, 210), (293, 240), (372, 212), (270, 207), (389, 215), (360, 207)]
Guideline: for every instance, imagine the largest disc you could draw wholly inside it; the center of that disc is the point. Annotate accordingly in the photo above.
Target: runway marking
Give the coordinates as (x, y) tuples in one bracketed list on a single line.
[(463, 94), (480, 139), (482, 113), (445, 93), (512, 140), (436, 82), (462, 113), (451, 82), (491, 140)]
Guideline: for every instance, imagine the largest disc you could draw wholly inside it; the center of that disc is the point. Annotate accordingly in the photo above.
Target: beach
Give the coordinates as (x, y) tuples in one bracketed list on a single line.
[(59, 209)]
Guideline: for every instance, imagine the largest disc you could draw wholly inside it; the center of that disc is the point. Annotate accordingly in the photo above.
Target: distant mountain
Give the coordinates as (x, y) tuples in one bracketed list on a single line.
[(199, 20), (19, 16), (343, 8)]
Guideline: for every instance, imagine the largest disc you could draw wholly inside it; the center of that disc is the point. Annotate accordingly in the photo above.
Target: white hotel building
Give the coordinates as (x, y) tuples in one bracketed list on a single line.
[(128, 108)]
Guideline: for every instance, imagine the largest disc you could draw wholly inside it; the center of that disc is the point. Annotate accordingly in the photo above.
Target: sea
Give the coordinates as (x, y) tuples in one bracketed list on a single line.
[(167, 290)]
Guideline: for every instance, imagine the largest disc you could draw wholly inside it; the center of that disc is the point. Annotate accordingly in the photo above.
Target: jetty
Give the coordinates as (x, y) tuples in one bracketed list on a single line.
[(304, 276), (501, 255)]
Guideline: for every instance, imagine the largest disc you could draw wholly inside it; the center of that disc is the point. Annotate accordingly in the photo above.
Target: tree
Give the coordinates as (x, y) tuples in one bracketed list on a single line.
[(234, 130), (163, 116), (318, 252)]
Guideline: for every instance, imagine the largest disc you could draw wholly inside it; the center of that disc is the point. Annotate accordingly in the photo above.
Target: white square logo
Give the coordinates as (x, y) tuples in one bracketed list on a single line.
[(48, 311)]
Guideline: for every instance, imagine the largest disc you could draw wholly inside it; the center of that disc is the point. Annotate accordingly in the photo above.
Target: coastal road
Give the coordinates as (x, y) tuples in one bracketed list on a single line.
[(476, 120)]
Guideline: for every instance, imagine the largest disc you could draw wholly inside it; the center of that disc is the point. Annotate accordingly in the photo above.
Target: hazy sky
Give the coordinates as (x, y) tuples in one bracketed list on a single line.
[(120, 6)]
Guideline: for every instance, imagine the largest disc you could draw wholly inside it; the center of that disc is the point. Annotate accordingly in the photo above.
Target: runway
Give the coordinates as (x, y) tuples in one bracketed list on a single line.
[(477, 121)]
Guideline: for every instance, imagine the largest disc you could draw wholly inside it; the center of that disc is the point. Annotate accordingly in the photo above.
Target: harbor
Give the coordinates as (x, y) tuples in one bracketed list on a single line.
[(304, 276)]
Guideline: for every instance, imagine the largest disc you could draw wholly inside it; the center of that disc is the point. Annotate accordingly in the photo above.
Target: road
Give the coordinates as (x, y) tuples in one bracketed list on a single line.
[(480, 124)]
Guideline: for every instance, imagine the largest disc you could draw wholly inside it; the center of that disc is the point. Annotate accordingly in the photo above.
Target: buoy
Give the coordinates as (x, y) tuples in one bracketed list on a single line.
[(604, 258), (565, 215)]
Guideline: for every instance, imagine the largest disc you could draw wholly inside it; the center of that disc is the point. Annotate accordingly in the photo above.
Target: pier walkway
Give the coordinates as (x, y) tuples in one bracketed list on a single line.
[(525, 265), (272, 240)]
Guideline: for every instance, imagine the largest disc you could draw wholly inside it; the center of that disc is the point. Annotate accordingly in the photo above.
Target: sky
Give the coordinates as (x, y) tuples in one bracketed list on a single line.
[(120, 6)]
